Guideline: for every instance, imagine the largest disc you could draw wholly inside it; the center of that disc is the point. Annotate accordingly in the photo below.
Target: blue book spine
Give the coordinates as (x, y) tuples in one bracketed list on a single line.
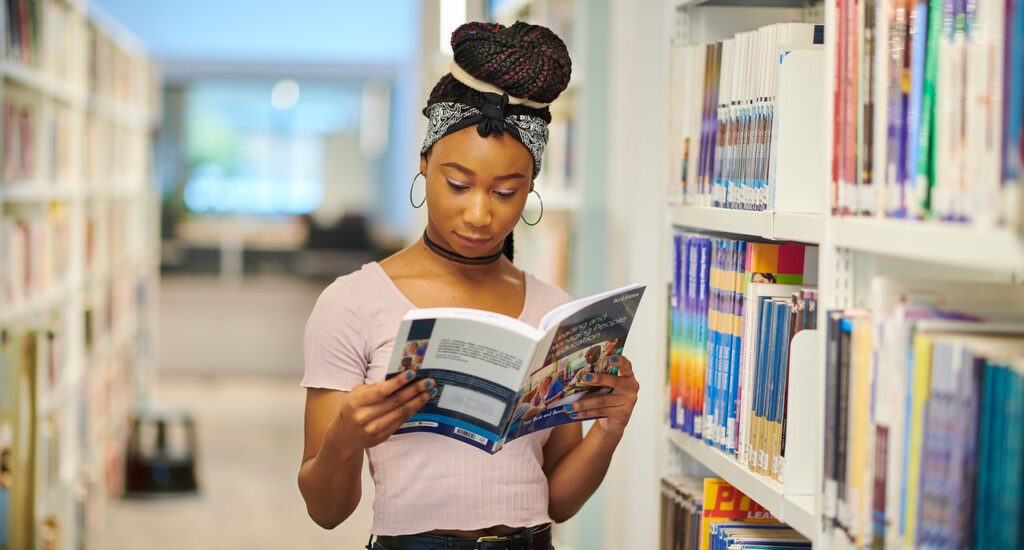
[(702, 329), (981, 511), (1012, 486), (711, 373), (1013, 93), (675, 321), (687, 323), (918, 34)]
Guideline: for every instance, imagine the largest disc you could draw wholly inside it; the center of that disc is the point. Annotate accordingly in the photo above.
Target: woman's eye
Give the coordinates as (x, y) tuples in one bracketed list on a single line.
[(457, 186), (505, 194)]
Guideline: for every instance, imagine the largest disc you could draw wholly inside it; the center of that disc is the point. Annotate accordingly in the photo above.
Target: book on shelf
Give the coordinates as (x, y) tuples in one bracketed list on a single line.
[(22, 29), (19, 138), (735, 306), (35, 255), (499, 378), (927, 110), (710, 514), (17, 438), (746, 117), (938, 460)]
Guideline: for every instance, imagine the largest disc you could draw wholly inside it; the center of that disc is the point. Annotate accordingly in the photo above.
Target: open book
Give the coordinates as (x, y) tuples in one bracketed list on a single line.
[(499, 378)]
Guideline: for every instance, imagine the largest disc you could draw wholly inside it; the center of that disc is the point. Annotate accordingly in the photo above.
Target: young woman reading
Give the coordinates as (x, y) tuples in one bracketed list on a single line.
[(485, 140)]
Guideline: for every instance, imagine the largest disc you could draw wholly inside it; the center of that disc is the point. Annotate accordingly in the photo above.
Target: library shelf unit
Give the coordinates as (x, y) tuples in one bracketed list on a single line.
[(852, 251), (780, 226), (79, 241)]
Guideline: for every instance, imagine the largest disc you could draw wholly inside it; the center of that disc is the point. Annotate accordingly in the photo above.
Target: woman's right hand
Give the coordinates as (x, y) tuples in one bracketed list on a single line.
[(371, 413)]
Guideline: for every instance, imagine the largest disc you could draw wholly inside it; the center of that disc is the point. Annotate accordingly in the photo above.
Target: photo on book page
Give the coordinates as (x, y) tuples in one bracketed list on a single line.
[(415, 347), (583, 344)]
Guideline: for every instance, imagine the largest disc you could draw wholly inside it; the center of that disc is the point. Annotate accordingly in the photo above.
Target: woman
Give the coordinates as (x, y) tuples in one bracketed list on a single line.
[(485, 139)]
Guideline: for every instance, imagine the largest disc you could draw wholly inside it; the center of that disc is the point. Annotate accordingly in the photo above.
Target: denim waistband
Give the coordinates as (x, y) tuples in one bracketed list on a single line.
[(534, 538)]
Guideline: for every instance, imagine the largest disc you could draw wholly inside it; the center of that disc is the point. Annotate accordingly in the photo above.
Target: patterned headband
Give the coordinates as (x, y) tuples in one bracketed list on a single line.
[(448, 117)]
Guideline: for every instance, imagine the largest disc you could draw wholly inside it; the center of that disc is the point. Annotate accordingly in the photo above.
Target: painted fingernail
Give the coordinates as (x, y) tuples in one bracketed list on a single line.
[(429, 383), (614, 359), (588, 377), (568, 407), (433, 392), (572, 415), (409, 375)]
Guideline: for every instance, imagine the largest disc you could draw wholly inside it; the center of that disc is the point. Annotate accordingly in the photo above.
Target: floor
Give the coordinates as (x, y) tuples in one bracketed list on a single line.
[(250, 444)]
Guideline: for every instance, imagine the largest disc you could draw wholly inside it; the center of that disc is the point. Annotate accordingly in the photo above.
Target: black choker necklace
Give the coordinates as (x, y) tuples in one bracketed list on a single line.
[(459, 258)]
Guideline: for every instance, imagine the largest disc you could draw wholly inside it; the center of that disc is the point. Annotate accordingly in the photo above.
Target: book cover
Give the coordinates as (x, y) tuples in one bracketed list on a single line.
[(499, 378), (722, 501)]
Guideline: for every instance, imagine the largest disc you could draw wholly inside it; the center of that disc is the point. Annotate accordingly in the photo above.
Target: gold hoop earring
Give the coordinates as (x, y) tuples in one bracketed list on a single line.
[(534, 191), (412, 202)]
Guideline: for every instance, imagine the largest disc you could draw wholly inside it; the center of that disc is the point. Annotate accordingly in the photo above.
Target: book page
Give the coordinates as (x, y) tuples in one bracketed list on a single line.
[(478, 366), (579, 344)]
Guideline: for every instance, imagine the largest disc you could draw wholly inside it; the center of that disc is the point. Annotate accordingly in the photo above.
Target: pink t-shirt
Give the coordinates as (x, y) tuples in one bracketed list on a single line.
[(423, 481)]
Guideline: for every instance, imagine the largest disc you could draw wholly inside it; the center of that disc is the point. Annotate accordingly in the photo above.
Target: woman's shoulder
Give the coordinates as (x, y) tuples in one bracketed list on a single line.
[(352, 289)]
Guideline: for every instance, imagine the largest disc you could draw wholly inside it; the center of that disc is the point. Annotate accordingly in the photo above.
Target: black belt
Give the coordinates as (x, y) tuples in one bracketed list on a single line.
[(534, 538)]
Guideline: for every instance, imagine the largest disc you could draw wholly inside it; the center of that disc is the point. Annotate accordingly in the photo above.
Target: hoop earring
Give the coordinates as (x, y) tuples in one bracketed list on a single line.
[(412, 202), (534, 191)]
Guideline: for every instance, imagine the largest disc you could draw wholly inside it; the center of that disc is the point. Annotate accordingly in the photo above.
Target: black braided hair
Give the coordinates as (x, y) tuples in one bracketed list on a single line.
[(524, 60)]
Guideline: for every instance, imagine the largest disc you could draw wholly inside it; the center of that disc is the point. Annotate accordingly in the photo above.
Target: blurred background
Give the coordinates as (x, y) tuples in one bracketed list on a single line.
[(182, 179)]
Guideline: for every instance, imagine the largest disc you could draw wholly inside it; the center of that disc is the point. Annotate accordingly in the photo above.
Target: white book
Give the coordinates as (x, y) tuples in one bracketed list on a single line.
[(498, 378), (798, 135)]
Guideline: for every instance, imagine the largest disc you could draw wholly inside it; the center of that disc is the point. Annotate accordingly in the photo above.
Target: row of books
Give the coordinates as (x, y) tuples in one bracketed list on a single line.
[(66, 30), (63, 449), (35, 253), (114, 153), (711, 514), (22, 27), (117, 75), (924, 426), (734, 307), (929, 102), (36, 151), (745, 117), (19, 140)]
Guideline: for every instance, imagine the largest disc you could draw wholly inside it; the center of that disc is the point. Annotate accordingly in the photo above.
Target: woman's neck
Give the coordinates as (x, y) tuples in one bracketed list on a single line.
[(452, 267)]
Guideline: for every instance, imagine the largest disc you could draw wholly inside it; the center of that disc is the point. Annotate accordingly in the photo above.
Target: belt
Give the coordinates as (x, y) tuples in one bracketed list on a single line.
[(534, 538)]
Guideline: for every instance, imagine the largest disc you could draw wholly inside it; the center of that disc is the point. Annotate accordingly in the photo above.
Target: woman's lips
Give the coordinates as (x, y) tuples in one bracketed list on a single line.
[(471, 241)]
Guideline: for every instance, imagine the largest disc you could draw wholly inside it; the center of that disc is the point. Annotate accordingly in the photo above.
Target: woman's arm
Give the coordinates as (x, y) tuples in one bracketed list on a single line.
[(576, 465), (339, 427)]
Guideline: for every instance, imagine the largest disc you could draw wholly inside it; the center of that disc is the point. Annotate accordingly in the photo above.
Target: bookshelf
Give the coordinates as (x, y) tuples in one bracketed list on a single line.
[(855, 253), (78, 262)]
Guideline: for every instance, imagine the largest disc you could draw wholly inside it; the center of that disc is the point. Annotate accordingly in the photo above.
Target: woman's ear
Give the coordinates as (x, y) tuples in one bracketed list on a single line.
[(423, 164)]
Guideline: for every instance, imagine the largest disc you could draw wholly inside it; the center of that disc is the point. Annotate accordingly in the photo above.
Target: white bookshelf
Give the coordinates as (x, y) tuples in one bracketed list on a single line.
[(92, 196), (782, 226), (949, 244), (851, 251)]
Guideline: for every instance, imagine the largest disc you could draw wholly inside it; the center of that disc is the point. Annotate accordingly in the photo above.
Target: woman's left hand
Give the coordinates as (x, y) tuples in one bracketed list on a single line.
[(616, 407)]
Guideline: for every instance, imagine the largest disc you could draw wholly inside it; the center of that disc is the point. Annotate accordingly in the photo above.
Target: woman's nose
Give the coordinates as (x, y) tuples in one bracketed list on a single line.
[(478, 211)]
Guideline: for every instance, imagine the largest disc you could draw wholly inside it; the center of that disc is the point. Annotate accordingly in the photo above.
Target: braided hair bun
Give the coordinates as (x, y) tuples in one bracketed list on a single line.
[(526, 61)]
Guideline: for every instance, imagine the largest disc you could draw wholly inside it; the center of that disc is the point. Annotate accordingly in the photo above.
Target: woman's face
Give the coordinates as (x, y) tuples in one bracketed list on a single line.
[(476, 190)]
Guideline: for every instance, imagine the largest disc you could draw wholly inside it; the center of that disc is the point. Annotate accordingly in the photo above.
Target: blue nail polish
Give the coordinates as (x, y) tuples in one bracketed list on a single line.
[(589, 377), (433, 392), (572, 415), (429, 383), (614, 359), (409, 375), (568, 407)]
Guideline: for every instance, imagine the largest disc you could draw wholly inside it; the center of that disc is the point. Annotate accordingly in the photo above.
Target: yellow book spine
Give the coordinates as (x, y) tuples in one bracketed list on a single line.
[(922, 382)]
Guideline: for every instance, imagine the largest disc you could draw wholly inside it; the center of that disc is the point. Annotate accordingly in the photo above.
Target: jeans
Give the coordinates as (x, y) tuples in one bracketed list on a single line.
[(433, 542), (377, 546)]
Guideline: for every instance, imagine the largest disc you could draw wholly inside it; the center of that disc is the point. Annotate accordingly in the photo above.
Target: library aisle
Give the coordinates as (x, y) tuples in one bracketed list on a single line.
[(247, 438)]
